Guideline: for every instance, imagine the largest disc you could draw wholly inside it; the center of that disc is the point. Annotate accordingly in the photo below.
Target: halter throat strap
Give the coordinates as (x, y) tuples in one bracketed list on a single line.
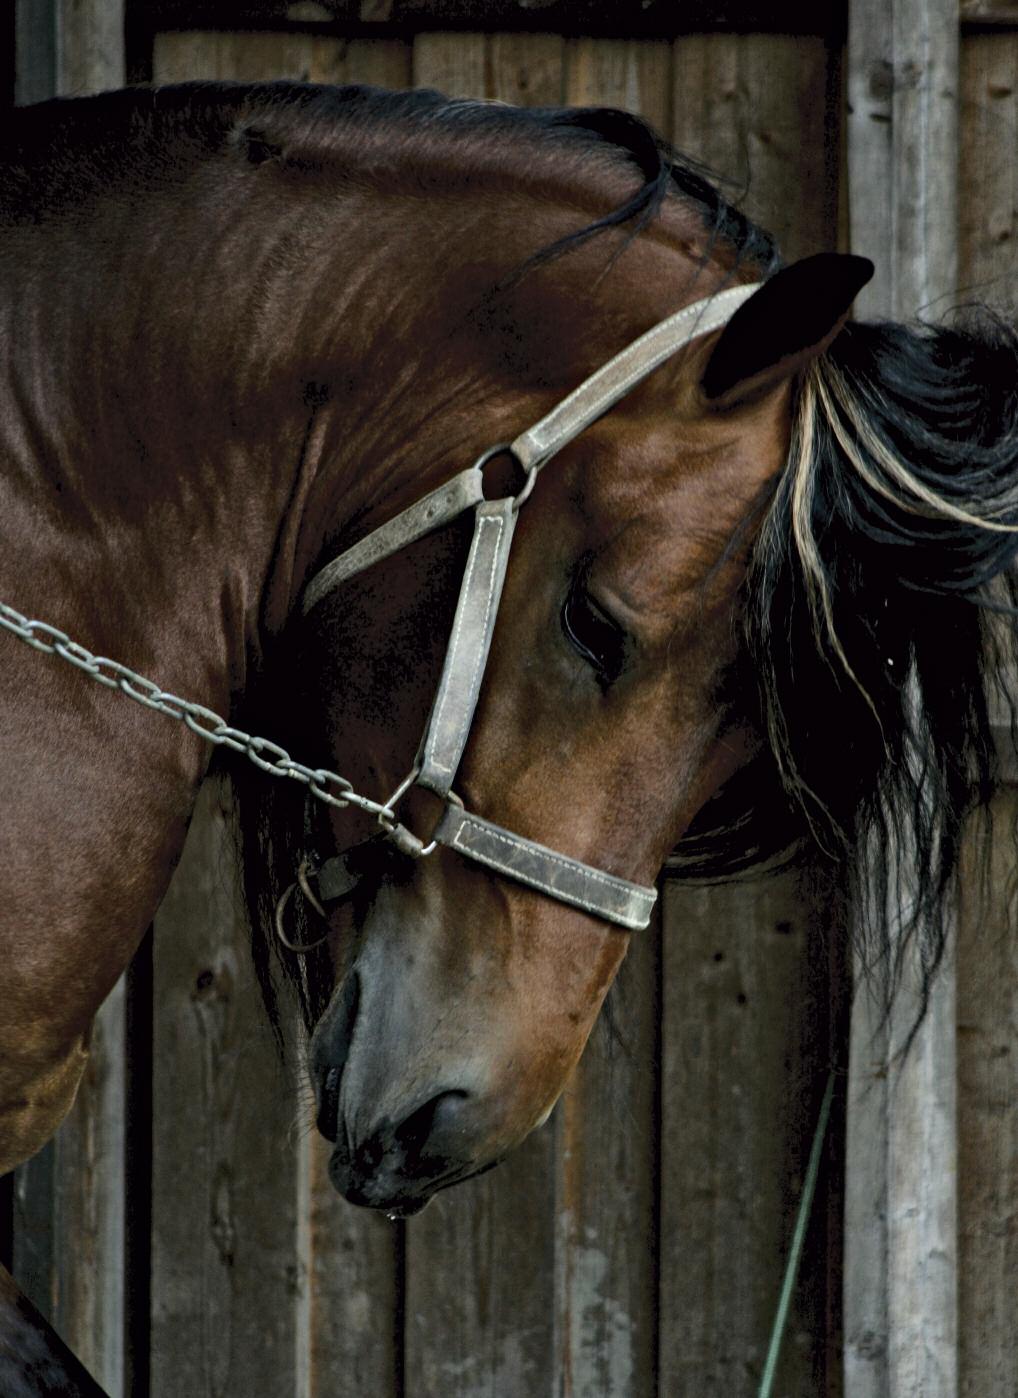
[(604, 895)]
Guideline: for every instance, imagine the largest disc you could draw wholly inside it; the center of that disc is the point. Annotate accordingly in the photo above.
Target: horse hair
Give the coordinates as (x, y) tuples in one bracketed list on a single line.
[(878, 620), (877, 613)]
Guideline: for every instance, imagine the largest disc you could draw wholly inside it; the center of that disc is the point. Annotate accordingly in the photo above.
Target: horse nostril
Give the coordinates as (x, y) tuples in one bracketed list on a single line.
[(397, 1167), (435, 1132)]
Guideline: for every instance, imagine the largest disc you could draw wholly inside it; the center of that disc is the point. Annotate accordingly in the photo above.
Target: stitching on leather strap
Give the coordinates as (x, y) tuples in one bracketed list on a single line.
[(630, 891), (482, 520), (658, 344)]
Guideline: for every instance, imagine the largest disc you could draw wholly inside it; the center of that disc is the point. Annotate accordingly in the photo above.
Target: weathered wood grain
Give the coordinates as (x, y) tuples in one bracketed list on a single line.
[(456, 64), (760, 110), (526, 69), (990, 11), (188, 55), (987, 1007), (67, 47), (480, 1269), (349, 1340), (746, 1047), (988, 1111), (988, 174), (90, 45), (69, 1211), (903, 152), (901, 1334), (901, 1275), (632, 74), (606, 1225), (35, 51), (226, 1274)]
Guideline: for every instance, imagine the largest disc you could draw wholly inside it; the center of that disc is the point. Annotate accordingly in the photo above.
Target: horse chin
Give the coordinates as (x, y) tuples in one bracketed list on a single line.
[(398, 1196), (395, 1194)]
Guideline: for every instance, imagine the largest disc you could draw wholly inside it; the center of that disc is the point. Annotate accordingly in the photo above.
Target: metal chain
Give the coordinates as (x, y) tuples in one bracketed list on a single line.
[(264, 753)]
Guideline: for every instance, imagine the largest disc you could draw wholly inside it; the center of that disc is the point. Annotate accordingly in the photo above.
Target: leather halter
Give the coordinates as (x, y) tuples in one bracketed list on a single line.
[(618, 901)]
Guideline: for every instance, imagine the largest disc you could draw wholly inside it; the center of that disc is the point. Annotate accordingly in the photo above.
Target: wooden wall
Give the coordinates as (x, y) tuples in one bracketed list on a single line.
[(182, 1231)]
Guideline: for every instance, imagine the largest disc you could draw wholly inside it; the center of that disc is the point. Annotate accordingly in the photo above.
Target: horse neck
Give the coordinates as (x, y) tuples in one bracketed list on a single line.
[(216, 370), (164, 432)]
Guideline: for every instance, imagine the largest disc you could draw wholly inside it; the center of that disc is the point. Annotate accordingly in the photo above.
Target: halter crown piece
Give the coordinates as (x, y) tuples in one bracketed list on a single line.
[(618, 901)]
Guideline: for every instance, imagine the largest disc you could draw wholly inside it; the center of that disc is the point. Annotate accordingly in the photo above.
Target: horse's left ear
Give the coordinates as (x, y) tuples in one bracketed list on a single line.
[(789, 321)]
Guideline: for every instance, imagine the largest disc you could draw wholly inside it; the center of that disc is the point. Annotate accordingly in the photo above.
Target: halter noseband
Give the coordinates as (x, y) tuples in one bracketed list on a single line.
[(618, 901)]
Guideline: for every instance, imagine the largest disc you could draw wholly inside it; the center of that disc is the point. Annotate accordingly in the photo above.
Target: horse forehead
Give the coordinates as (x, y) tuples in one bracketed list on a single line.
[(653, 475), (653, 505)]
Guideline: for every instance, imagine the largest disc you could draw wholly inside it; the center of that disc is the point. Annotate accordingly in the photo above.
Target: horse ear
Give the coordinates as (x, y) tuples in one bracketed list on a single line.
[(789, 321)]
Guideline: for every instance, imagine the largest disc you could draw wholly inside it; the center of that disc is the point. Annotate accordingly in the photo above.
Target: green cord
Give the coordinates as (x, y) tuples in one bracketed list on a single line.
[(798, 1237)]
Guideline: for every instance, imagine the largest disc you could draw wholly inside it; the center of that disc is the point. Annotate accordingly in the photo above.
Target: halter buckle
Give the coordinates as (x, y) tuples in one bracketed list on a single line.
[(404, 839)]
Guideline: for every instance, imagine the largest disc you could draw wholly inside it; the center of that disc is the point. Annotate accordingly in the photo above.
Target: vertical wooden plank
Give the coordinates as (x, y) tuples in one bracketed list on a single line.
[(225, 1267), (746, 1048), (634, 75), (380, 62), (988, 1110), (988, 174), (902, 151), (90, 45), (70, 1201), (479, 1283), (987, 1002), (350, 1345), (901, 1203), (526, 69), (922, 1192), (757, 109), (606, 1226), (456, 64), (35, 51), (69, 1211), (186, 55)]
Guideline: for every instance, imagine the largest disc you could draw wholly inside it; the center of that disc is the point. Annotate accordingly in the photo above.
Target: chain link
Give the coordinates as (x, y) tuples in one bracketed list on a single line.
[(326, 786)]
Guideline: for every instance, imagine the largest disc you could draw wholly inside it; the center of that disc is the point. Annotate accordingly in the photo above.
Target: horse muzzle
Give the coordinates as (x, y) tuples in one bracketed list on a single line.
[(400, 1165), (396, 1140)]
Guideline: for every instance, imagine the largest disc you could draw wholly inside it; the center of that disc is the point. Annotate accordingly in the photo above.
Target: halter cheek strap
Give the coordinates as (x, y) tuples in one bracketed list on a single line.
[(604, 895)]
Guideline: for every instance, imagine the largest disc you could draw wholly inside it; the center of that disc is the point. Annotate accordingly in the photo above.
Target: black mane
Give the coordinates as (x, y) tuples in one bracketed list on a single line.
[(879, 629)]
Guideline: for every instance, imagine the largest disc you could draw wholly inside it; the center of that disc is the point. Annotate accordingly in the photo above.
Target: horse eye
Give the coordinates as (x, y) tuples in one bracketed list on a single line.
[(593, 634)]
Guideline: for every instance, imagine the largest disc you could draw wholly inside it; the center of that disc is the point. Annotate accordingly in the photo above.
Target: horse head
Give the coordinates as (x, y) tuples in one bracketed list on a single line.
[(457, 993)]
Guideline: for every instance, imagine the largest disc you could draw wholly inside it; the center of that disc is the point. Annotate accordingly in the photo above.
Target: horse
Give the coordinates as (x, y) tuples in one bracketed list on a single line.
[(289, 372)]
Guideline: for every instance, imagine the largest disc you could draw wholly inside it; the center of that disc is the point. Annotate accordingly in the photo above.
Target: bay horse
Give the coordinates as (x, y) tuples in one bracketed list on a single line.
[(247, 327)]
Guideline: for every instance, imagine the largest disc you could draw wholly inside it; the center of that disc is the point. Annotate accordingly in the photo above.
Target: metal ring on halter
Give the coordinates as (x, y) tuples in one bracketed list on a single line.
[(304, 869), (505, 449), (528, 485), (405, 840)]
